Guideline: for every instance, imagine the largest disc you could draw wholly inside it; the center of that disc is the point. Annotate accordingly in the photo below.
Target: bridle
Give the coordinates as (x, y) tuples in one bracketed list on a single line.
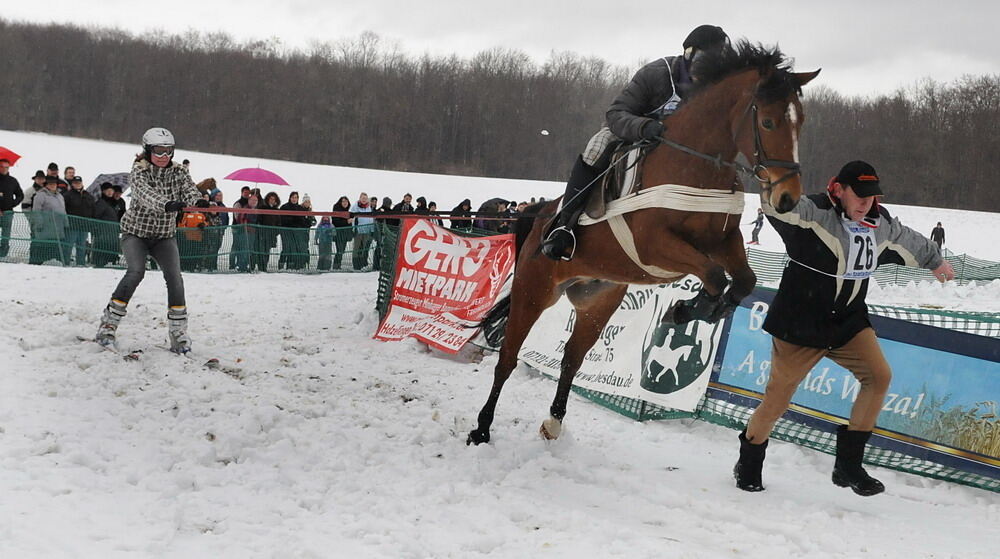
[(761, 161)]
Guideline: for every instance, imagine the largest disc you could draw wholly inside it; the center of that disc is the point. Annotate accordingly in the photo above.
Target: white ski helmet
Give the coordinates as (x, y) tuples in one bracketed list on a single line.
[(157, 137)]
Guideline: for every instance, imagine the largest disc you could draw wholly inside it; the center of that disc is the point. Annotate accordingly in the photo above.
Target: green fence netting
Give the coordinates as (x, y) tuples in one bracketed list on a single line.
[(52, 238)]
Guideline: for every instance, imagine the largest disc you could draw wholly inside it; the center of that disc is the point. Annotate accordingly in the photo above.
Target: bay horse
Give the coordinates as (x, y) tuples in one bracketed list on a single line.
[(744, 101)]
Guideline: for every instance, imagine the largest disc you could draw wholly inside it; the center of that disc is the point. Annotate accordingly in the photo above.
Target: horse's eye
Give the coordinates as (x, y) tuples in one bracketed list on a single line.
[(768, 124)]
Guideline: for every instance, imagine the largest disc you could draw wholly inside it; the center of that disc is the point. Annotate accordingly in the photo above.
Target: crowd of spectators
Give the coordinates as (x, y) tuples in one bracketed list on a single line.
[(50, 200)]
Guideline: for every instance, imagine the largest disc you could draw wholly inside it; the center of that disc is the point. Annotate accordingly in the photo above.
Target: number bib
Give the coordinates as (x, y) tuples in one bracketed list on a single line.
[(862, 261)]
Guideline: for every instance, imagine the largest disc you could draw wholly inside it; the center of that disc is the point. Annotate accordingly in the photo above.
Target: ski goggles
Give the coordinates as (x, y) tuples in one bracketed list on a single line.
[(163, 151)]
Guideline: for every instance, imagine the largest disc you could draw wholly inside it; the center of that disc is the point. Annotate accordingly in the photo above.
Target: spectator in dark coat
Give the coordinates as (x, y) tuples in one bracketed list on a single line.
[(119, 204), (79, 205), (431, 208), (404, 207), (324, 240), (937, 235), (462, 210), (294, 248), (421, 207), (105, 249), (267, 233), (10, 196), (343, 230)]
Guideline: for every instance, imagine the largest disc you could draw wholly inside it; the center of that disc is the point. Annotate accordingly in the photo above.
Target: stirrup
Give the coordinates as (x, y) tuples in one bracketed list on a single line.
[(551, 239)]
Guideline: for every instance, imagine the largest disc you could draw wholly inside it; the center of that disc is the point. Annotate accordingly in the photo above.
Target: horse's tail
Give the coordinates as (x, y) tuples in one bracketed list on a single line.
[(494, 324)]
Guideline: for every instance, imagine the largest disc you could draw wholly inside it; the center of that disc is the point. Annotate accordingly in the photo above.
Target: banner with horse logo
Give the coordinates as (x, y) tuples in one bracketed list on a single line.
[(444, 284), (637, 356)]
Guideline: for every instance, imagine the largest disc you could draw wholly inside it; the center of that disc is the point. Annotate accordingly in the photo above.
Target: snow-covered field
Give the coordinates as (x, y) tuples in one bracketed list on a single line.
[(329, 444), (315, 441)]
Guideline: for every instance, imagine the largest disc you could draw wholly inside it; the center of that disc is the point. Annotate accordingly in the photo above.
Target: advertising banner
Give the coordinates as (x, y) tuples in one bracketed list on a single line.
[(637, 356), (444, 284), (942, 401)]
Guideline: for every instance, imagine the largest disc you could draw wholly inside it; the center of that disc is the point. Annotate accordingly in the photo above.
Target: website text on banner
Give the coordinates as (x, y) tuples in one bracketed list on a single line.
[(444, 283)]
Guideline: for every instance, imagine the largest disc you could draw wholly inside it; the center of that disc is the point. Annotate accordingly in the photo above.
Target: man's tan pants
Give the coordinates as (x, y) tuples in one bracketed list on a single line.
[(790, 363)]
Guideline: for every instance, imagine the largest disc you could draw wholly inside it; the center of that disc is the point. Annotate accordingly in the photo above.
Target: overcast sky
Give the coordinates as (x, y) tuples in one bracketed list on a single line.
[(864, 47)]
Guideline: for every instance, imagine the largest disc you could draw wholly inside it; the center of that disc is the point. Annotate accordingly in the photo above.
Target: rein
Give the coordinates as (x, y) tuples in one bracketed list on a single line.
[(762, 162)]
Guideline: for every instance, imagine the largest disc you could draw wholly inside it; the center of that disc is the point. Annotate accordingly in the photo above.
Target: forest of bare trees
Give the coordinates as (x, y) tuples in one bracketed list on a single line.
[(362, 103)]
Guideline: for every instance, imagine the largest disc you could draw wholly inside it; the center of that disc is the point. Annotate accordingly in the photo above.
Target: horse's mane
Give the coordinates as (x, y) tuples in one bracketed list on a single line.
[(712, 67)]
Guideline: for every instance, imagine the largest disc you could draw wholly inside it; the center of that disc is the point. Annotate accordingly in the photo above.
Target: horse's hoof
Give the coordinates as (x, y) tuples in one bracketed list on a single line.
[(477, 437), (551, 429)]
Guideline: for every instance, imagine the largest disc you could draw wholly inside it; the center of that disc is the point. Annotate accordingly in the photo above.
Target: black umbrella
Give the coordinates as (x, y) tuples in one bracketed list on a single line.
[(117, 179)]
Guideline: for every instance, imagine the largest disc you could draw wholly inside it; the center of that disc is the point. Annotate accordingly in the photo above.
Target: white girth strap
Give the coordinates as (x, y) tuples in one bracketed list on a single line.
[(675, 197), (624, 236), (672, 196)]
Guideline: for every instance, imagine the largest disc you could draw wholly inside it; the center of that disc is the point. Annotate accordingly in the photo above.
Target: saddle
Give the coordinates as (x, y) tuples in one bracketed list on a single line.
[(622, 178)]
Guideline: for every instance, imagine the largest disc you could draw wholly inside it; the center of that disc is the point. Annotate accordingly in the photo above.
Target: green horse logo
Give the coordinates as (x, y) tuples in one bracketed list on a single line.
[(674, 357)]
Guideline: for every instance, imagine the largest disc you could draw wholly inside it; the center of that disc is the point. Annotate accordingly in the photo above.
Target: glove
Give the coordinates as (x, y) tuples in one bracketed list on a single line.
[(651, 130), (173, 206)]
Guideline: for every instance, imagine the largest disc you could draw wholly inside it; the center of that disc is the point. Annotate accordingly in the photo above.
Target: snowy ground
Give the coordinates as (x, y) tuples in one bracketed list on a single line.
[(329, 444)]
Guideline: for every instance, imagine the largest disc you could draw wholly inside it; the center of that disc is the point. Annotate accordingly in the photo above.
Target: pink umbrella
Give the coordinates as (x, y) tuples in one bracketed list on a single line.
[(255, 175)]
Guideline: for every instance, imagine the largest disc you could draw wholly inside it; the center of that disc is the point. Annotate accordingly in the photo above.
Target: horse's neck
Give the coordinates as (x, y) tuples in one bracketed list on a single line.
[(705, 125)]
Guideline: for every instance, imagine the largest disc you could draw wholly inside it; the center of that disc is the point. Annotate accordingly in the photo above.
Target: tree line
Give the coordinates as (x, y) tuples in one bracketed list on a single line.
[(362, 103)]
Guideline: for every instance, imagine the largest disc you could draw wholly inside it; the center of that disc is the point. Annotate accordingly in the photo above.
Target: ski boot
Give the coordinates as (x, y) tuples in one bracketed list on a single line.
[(177, 329), (847, 470), (107, 331)]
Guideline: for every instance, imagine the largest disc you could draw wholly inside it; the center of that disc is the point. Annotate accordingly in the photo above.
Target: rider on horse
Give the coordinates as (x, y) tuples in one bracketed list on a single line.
[(635, 115)]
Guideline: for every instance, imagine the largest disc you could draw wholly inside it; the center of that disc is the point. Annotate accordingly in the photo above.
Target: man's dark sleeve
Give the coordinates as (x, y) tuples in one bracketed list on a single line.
[(623, 116)]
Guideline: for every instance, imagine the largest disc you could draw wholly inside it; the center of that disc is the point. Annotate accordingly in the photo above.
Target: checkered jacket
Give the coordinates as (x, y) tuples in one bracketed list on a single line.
[(152, 187)]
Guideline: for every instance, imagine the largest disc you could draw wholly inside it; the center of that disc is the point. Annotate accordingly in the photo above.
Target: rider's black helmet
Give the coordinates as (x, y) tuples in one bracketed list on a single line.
[(705, 38)]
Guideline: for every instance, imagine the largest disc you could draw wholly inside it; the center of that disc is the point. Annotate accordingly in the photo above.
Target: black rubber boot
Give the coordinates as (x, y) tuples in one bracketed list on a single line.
[(847, 470), (748, 467), (560, 243)]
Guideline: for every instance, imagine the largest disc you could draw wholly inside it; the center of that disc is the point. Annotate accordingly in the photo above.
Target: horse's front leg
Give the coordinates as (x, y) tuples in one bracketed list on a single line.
[(733, 257), (687, 259)]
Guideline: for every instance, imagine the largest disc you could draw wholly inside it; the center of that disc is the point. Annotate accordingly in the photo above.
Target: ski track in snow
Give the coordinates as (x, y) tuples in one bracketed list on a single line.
[(331, 444)]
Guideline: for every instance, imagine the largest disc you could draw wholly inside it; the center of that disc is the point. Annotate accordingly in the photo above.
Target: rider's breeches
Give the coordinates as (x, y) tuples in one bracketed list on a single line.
[(598, 145), (790, 363)]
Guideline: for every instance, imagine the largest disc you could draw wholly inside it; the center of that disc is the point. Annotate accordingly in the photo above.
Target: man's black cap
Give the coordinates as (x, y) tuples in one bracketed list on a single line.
[(861, 177), (39, 174), (705, 37)]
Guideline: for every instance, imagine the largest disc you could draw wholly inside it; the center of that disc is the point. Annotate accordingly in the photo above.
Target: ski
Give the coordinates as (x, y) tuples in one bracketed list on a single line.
[(132, 355)]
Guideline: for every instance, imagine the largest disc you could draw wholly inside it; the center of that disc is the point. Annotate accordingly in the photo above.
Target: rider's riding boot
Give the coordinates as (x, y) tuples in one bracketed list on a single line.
[(748, 469), (847, 470), (560, 243), (177, 328), (107, 331)]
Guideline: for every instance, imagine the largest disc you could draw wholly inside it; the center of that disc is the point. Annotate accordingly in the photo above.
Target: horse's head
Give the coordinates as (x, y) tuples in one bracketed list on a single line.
[(771, 139), (766, 114)]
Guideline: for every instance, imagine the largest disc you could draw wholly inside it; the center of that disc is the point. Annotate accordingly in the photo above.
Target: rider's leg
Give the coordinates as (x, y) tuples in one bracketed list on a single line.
[(560, 242)]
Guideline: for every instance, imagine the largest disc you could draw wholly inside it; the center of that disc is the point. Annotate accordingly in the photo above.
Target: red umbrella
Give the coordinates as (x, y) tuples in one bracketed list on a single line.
[(9, 155), (256, 174)]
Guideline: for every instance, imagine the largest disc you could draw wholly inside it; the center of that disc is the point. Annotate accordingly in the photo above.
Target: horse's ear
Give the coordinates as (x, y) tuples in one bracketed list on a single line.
[(805, 77)]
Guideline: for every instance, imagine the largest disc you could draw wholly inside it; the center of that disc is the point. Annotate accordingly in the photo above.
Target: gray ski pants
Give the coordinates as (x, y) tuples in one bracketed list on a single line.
[(164, 252)]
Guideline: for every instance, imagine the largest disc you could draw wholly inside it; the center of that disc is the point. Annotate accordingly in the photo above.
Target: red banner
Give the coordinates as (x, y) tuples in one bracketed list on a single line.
[(444, 283)]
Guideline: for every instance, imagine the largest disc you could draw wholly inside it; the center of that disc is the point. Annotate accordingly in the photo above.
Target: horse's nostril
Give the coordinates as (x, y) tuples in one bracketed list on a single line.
[(785, 203)]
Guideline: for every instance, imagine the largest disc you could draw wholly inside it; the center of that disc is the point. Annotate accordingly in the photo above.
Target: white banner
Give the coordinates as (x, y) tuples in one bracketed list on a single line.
[(636, 356)]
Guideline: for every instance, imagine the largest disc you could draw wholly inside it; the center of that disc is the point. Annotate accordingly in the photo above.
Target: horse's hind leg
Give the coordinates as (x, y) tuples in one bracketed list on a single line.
[(595, 302), (526, 305)]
